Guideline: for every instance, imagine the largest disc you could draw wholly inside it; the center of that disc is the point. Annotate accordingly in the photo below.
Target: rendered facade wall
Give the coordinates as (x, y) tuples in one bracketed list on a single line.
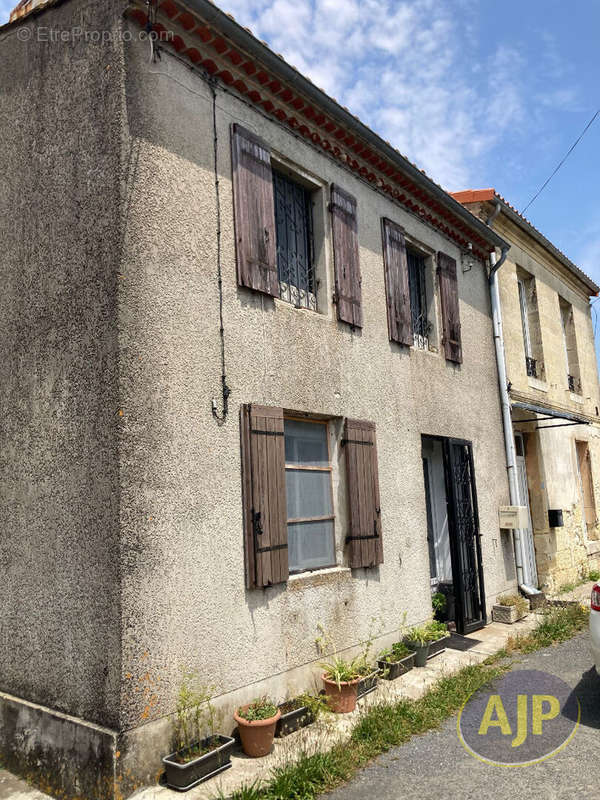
[(60, 114), (180, 472)]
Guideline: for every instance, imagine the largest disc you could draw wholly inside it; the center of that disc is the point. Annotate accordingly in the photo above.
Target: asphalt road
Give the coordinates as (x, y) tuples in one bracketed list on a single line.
[(435, 765)]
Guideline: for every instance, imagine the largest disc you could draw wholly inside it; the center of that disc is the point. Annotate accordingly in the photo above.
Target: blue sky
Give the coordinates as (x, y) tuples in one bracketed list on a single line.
[(477, 93)]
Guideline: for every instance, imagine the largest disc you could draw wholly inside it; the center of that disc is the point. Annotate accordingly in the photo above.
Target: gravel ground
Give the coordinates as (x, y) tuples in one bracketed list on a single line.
[(435, 765)]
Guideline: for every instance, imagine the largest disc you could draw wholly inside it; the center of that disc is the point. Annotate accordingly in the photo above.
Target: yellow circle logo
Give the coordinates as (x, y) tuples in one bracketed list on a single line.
[(524, 718)]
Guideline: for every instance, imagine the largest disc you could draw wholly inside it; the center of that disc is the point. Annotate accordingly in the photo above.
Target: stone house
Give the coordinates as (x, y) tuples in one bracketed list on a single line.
[(248, 385), (553, 375)]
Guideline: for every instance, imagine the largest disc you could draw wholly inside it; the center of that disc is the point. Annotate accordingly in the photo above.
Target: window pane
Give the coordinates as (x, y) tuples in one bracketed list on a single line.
[(310, 545), (308, 493), (306, 443)]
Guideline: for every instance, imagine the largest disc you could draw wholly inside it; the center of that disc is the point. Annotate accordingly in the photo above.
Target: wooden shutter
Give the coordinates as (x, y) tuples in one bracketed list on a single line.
[(451, 340), (264, 495), (364, 537), (397, 290), (254, 212), (344, 221), (587, 485)]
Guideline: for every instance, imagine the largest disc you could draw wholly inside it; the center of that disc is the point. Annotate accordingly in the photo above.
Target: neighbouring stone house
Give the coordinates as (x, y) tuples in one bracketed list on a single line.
[(248, 385), (553, 374)]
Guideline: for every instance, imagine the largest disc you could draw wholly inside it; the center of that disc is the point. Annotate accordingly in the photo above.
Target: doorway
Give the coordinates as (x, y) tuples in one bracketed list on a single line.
[(453, 530), (530, 576)]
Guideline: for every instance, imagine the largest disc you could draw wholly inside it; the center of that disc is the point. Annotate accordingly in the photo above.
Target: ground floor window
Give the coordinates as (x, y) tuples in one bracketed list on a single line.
[(310, 517)]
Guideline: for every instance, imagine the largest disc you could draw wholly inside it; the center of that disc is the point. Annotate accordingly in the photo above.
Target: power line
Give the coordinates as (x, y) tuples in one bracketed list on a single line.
[(570, 150)]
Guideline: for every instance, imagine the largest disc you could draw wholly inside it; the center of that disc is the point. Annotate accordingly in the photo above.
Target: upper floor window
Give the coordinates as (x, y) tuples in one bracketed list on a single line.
[(310, 517), (530, 321), (418, 298), (294, 237), (570, 343)]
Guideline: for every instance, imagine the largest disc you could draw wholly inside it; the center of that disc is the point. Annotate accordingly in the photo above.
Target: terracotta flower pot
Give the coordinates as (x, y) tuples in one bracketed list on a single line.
[(342, 700), (257, 736)]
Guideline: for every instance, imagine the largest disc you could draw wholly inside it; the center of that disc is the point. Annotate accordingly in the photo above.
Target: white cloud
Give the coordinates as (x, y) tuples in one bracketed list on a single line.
[(408, 70)]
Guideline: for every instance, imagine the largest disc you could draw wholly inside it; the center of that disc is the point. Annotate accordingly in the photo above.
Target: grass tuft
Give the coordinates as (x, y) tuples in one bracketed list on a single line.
[(557, 624)]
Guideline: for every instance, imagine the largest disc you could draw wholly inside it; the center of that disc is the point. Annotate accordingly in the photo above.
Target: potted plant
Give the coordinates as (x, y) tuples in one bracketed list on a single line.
[(256, 723), (510, 608), (340, 681), (298, 713), (199, 751), (369, 675), (437, 633), (396, 661), (417, 639), (340, 677), (438, 604), (368, 670)]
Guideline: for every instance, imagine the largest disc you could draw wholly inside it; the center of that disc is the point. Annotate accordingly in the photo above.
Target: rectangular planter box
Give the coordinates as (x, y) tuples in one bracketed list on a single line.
[(506, 614), (367, 684), (293, 721), (183, 776), (437, 647), (390, 670)]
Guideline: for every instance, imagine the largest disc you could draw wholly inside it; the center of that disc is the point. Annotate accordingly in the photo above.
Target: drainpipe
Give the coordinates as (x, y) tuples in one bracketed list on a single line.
[(509, 439)]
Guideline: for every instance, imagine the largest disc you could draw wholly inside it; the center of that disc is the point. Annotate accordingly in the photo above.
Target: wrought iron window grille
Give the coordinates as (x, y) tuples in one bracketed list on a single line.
[(295, 243), (418, 299), (531, 365)]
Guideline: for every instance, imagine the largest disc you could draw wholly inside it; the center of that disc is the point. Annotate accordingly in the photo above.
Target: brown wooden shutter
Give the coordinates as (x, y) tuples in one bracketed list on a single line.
[(264, 495), (254, 212), (344, 221), (364, 537), (451, 339), (397, 289)]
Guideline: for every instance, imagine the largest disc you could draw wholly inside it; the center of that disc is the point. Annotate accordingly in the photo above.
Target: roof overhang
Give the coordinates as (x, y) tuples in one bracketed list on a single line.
[(214, 41), (471, 196), (548, 414)]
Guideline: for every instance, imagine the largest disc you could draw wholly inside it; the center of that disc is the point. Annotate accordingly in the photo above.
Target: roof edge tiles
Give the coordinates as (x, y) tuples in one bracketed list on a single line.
[(469, 196)]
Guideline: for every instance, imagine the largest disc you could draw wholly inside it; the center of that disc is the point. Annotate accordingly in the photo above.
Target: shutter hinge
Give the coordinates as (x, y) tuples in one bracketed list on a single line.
[(256, 523), (271, 548), (374, 535), (344, 442)]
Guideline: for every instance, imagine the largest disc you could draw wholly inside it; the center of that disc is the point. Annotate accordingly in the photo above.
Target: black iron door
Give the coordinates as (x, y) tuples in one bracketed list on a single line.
[(465, 547)]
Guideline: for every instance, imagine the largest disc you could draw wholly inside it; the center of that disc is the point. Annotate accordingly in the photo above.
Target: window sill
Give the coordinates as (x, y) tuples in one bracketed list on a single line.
[(318, 577), (290, 308), (536, 383), (577, 398)]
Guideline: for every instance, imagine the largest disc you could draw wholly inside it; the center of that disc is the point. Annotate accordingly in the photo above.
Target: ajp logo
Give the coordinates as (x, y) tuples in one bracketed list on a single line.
[(525, 717)]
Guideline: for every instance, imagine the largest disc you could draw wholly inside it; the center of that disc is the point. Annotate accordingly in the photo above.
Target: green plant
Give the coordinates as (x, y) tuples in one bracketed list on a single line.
[(395, 653), (557, 624), (418, 636), (338, 669), (316, 704), (195, 716), (593, 575), (261, 708), (516, 601), (438, 603), (436, 630)]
